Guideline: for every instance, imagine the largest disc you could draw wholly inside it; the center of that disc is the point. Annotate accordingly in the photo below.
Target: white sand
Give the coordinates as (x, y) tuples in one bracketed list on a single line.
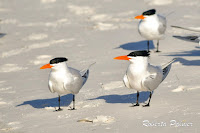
[(86, 31)]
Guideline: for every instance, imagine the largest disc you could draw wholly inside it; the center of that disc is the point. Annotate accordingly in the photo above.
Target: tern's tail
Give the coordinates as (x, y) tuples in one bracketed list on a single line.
[(169, 14), (166, 68), (85, 73)]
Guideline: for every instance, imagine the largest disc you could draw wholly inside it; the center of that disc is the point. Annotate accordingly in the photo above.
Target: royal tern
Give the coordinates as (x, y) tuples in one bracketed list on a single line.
[(152, 26), (64, 79), (141, 75)]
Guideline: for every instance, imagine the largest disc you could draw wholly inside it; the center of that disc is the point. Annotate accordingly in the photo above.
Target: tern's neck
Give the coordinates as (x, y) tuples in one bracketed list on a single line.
[(139, 62), (151, 18), (62, 67)]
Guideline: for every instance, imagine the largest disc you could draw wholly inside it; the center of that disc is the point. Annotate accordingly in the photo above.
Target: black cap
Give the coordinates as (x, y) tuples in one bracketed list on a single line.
[(139, 53), (58, 60), (149, 12)]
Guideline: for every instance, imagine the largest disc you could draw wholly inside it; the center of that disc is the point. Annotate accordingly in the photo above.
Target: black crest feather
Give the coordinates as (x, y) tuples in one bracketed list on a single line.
[(149, 12), (58, 60), (139, 53)]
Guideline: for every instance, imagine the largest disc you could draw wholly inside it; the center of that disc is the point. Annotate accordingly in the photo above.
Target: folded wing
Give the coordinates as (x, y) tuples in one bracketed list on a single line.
[(166, 68), (85, 73)]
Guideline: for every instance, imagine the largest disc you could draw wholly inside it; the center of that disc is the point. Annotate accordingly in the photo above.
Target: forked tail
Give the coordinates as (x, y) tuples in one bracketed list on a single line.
[(85, 73), (166, 68)]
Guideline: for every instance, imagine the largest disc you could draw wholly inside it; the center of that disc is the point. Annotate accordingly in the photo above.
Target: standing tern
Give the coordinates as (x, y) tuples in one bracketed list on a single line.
[(143, 76), (64, 79), (152, 26)]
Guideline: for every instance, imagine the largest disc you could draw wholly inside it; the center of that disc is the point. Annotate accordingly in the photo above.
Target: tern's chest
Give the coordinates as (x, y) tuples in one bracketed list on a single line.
[(135, 76), (58, 78), (148, 26), (152, 23)]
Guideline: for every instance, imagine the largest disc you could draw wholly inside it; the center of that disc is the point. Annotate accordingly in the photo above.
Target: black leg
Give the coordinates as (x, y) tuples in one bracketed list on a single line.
[(148, 45), (148, 104), (59, 109), (157, 46), (73, 103), (137, 103)]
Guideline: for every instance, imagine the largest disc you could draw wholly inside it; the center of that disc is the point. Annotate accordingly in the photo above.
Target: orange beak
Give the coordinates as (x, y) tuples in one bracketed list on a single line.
[(140, 17), (125, 57), (46, 66)]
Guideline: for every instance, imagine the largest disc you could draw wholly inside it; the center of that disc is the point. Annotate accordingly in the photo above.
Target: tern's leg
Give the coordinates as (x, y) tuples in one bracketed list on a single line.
[(59, 109), (73, 103), (148, 45), (137, 104), (148, 104), (157, 46)]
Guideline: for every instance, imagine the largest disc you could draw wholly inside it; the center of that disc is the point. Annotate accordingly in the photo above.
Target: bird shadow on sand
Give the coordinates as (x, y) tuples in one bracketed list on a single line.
[(52, 102), (129, 98), (2, 35), (187, 54), (188, 62), (141, 45)]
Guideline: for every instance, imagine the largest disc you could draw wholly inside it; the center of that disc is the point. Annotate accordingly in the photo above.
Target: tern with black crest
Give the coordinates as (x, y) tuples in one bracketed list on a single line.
[(65, 80), (141, 75), (152, 26)]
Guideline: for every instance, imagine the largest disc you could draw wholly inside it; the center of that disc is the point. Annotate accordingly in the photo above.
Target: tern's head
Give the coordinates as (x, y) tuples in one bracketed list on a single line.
[(56, 63), (145, 15), (134, 56)]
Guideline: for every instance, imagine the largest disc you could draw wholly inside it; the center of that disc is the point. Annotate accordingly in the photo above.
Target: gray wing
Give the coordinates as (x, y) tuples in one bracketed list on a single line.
[(77, 82), (154, 78), (85, 76), (197, 29), (85, 73), (162, 24), (166, 68)]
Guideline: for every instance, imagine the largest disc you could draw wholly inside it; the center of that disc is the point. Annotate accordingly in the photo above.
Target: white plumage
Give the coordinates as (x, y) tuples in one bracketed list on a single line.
[(152, 26), (65, 80), (141, 75)]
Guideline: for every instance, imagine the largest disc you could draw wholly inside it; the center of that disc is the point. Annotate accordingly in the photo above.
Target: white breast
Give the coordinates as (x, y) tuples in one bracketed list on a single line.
[(56, 82), (135, 76), (149, 29)]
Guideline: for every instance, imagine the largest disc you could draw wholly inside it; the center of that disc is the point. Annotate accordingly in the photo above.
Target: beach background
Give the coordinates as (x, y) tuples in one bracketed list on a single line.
[(86, 31)]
